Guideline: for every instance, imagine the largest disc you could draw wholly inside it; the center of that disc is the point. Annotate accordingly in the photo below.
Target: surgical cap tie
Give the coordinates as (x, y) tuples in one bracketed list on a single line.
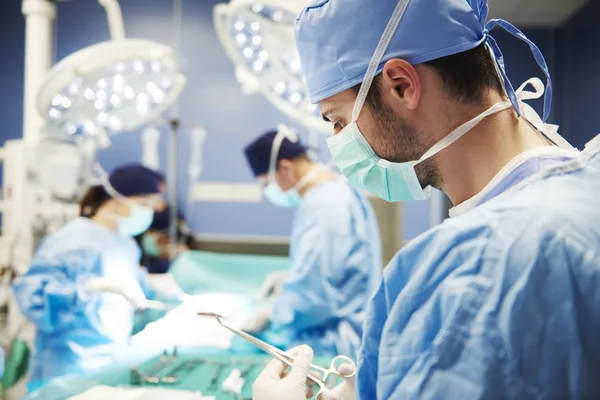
[(537, 54), (384, 42)]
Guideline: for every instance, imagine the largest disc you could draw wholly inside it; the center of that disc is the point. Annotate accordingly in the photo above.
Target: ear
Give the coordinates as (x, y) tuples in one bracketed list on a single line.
[(402, 83)]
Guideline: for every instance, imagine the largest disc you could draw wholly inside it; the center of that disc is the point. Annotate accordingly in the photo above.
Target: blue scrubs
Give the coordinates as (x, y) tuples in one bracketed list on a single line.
[(77, 332), (336, 266), (499, 303)]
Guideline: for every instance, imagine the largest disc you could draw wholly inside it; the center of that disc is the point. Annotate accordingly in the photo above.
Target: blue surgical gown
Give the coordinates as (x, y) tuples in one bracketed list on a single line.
[(77, 332), (502, 302), (335, 266)]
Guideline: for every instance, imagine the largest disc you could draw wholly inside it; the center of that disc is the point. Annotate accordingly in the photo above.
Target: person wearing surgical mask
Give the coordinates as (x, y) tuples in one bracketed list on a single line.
[(85, 281), (156, 246), (501, 300), (335, 249)]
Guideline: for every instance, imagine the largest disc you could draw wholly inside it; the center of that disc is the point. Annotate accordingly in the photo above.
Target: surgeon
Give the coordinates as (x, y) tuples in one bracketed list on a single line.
[(85, 281), (501, 301), (155, 243), (335, 248)]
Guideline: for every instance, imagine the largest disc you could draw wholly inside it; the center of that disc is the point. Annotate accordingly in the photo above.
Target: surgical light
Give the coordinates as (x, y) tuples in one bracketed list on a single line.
[(120, 85), (109, 88), (258, 38)]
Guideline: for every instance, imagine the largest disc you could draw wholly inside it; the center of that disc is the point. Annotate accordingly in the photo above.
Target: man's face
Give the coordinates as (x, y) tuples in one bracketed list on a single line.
[(389, 132), (390, 137)]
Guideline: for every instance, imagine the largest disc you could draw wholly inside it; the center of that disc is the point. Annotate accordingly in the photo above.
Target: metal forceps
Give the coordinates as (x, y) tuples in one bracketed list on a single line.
[(288, 359)]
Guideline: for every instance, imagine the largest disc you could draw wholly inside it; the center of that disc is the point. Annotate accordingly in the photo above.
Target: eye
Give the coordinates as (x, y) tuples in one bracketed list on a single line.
[(338, 126)]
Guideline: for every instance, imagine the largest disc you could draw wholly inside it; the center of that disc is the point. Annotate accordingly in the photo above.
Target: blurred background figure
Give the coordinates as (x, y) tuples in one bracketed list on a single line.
[(156, 242), (85, 281), (335, 248)]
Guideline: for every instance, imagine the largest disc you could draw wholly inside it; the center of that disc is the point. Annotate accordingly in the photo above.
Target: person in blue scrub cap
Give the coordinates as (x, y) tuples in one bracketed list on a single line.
[(335, 249), (501, 300), (85, 282), (155, 243)]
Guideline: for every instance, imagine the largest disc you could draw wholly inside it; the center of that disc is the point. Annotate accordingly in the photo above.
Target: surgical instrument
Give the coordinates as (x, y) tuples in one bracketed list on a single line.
[(163, 363), (137, 377), (215, 379), (289, 360), (186, 366)]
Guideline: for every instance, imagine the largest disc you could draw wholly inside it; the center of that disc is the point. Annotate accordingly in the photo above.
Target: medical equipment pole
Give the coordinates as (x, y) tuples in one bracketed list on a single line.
[(172, 185), (173, 137), (19, 197), (115, 18), (39, 17), (197, 137), (150, 142)]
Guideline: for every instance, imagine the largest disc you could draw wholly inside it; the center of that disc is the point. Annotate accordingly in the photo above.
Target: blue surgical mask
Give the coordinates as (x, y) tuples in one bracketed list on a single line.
[(150, 245), (288, 199), (139, 220), (385, 179)]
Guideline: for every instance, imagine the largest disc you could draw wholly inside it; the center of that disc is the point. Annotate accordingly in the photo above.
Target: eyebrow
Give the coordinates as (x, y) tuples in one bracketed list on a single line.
[(324, 114)]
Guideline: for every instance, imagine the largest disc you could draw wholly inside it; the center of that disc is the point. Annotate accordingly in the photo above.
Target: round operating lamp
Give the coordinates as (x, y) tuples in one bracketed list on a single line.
[(114, 86), (258, 37)]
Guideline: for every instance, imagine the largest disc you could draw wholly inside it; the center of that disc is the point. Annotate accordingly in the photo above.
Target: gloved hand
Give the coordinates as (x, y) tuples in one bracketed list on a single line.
[(271, 384), (345, 390), (273, 284), (166, 287), (129, 289), (259, 321)]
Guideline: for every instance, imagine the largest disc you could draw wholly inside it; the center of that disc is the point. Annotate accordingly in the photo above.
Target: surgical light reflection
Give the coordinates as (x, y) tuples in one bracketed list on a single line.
[(247, 36), (108, 96)]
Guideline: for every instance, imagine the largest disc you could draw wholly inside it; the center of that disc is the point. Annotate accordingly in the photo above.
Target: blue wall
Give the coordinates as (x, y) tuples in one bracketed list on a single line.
[(12, 51), (578, 44), (213, 97)]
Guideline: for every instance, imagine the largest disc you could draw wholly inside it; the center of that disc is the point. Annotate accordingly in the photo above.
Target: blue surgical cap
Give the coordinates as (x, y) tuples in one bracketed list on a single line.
[(336, 39), (134, 180), (162, 219), (258, 153)]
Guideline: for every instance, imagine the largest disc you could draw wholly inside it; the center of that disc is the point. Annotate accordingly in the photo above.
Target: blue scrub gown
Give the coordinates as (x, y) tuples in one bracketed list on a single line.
[(336, 266), (502, 302), (77, 332)]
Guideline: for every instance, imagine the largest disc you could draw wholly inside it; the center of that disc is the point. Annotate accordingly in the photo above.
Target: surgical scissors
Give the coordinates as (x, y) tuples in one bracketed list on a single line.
[(288, 359)]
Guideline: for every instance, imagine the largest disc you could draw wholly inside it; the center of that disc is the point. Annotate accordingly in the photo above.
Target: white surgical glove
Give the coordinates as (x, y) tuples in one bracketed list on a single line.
[(259, 321), (165, 286), (129, 289), (345, 390), (273, 284), (271, 384)]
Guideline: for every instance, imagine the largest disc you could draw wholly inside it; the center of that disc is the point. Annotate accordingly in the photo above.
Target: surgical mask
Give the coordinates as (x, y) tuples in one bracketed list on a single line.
[(140, 217), (139, 220), (150, 245), (286, 199), (398, 181), (289, 198)]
